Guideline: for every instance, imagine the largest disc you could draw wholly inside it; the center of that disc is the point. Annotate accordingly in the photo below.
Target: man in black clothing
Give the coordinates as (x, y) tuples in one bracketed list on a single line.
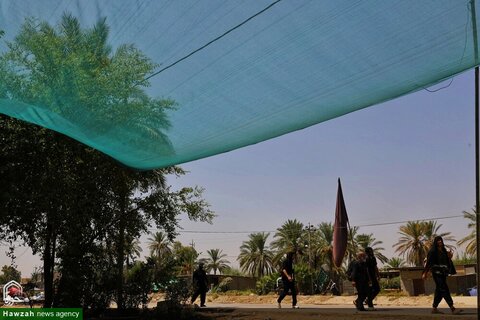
[(200, 285), (360, 280), (288, 279), (439, 261), (373, 276)]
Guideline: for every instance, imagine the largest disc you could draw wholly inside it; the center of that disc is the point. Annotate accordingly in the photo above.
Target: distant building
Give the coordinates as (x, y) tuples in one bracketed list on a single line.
[(412, 283)]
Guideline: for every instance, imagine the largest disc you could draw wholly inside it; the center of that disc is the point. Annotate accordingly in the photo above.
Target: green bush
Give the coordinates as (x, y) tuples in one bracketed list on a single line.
[(222, 286), (266, 284), (393, 283), (177, 291)]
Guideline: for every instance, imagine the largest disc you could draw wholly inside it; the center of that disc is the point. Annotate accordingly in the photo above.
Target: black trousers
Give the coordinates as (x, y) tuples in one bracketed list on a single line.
[(362, 291), (288, 285), (373, 292), (203, 295), (441, 290)]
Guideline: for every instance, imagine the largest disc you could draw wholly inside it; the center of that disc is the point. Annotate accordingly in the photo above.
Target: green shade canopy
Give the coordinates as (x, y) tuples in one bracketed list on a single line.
[(227, 74)]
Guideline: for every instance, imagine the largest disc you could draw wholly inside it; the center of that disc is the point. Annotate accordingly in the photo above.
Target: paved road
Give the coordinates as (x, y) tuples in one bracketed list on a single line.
[(265, 311)]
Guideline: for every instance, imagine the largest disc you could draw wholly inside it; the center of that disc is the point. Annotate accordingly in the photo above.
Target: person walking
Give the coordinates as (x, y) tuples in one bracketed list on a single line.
[(360, 280), (200, 285), (288, 280), (373, 275), (439, 262)]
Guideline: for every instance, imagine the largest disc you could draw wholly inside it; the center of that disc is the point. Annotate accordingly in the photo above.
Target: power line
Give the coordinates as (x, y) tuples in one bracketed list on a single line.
[(363, 225), (214, 40), (405, 221)]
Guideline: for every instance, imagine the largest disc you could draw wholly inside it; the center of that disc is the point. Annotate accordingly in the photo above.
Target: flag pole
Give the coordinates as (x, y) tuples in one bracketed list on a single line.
[(477, 169)]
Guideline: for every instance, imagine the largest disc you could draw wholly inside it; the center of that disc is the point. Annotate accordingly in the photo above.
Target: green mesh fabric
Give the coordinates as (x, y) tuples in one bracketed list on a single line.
[(264, 68)]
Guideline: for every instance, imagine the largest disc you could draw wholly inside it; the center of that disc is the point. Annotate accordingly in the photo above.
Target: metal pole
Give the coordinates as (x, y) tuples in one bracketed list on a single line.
[(477, 180), (477, 205), (309, 229)]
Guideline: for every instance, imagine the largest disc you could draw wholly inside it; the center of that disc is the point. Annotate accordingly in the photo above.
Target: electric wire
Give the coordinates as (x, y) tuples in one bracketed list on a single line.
[(363, 225)]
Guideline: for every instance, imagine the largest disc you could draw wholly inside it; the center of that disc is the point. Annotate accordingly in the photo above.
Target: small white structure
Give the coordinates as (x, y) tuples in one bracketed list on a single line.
[(7, 299)]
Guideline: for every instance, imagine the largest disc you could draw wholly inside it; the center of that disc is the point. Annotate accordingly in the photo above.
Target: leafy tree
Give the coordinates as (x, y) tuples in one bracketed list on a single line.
[(159, 245), (323, 244), (289, 238), (417, 238), (412, 243), (471, 239), (352, 245), (185, 258), (395, 262), (368, 240), (255, 256), (432, 231), (133, 250), (216, 261), (9, 273), (51, 185)]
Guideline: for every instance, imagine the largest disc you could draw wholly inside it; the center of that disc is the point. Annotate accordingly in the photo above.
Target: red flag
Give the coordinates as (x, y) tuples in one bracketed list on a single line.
[(340, 229)]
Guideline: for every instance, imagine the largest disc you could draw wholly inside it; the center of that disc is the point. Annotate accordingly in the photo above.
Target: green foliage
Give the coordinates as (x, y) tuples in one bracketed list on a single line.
[(216, 261), (395, 262), (393, 283), (255, 256), (223, 286), (185, 258), (417, 238), (304, 278), (138, 284), (471, 239), (464, 258), (177, 291), (69, 203), (9, 273), (289, 238), (267, 284), (233, 272)]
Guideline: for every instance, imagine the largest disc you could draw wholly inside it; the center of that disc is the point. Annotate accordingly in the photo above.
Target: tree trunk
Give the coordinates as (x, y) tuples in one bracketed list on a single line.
[(49, 264), (121, 246)]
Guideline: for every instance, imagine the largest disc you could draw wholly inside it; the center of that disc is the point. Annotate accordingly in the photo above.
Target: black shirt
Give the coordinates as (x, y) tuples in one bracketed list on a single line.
[(372, 267), (287, 266)]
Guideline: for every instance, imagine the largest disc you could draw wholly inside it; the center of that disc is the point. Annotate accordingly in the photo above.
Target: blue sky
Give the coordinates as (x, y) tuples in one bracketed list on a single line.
[(410, 158)]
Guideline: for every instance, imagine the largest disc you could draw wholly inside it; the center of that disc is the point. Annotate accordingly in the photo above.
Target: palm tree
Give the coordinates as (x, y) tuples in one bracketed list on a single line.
[(159, 245), (432, 231), (471, 239), (215, 261), (368, 240), (417, 238), (352, 245), (288, 238), (323, 244), (133, 250), (185, 257), (395, 263), (255, 257), (412, 243)]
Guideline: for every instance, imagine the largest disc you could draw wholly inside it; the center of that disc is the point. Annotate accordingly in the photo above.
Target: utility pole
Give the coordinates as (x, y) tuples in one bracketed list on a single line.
[(477, 147), (309, 228)]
